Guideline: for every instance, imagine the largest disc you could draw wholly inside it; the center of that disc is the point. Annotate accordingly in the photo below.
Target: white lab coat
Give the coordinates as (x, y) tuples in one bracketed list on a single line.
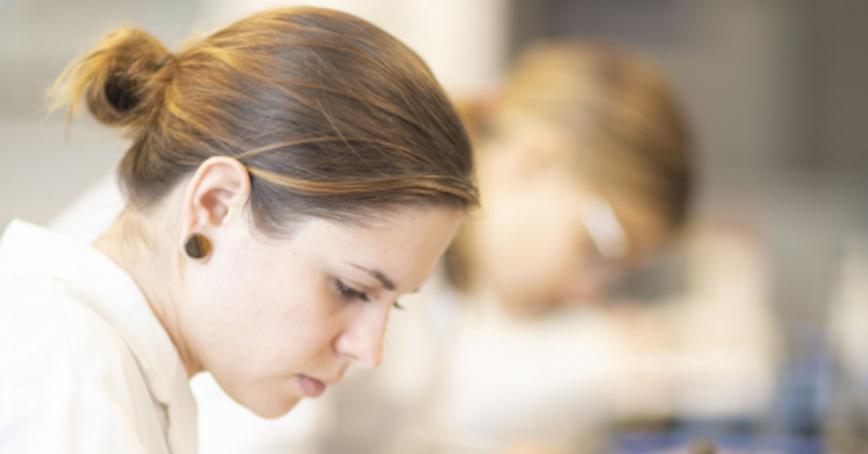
[(85, 366)]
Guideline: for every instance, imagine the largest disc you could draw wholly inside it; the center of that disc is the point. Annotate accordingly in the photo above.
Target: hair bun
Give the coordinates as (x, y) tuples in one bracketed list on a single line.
[(121, 79)]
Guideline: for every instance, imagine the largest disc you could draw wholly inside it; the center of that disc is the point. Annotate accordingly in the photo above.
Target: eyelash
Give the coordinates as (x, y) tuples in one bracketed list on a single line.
[(348, 293)]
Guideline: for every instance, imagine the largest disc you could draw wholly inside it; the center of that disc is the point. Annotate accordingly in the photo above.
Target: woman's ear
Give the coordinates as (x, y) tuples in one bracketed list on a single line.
[(216, 194)]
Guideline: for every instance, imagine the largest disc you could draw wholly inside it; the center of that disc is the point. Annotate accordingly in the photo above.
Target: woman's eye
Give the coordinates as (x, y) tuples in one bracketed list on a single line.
[(349, 293)]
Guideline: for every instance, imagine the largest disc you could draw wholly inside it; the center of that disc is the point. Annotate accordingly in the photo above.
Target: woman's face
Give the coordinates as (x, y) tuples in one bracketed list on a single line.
[(276, 320), (533, 242)]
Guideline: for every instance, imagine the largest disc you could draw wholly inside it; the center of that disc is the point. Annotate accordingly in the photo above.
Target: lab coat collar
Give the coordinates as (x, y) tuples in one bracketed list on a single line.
[(91, 277)]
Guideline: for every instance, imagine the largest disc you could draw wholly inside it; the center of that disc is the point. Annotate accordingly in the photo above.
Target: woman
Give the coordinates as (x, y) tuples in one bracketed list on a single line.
[(290, 176)]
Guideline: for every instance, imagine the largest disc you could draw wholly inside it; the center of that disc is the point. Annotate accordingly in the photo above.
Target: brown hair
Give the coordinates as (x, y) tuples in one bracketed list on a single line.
[(332, 116), (624, 123)]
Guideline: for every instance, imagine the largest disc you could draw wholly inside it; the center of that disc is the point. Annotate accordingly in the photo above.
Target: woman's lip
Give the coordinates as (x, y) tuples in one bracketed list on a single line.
[(311, 387)]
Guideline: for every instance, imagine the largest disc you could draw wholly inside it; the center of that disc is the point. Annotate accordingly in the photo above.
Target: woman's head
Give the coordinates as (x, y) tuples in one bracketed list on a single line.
[(320, 158), (584, 168), (331, 116)]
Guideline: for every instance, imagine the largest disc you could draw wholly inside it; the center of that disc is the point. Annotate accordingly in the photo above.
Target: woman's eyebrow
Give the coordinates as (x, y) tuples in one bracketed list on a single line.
[(387, 283)]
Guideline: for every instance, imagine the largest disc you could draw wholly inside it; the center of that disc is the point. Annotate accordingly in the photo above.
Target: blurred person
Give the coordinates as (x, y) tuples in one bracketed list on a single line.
[(586, 173), (585, 162), (290, 176)]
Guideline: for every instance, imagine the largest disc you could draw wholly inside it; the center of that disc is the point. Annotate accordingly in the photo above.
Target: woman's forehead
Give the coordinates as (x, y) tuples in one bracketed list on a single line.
[(401, 246)]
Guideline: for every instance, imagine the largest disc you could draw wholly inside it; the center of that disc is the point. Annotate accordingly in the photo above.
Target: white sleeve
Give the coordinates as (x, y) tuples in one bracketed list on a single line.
[(63, 419)]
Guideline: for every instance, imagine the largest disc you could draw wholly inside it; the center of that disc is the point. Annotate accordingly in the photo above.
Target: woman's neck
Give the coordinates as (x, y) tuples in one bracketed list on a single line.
[(149, 260)]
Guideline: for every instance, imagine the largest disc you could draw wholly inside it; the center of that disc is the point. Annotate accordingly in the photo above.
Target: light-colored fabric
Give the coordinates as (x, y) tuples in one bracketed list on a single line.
[(86, 366)]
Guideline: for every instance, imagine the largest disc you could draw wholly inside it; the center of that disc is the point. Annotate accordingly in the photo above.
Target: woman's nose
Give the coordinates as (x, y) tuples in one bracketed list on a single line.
[(362, 339)]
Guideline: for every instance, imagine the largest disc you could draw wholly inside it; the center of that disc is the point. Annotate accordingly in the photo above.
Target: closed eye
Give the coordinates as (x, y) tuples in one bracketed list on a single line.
[(349, 294)]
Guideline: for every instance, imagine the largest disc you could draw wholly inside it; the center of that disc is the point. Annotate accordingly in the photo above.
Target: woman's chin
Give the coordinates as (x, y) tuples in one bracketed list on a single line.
[(274, 408)]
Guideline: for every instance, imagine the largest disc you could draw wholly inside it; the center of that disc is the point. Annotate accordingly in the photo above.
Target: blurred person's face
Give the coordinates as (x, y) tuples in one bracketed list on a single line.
[(535, 238)]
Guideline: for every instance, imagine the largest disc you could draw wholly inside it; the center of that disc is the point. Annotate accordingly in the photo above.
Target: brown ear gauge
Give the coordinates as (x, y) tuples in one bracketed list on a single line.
[(197, 246)]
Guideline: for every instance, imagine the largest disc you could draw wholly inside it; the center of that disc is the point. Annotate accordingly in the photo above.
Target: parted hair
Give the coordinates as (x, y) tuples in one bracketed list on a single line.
[(331, 116)]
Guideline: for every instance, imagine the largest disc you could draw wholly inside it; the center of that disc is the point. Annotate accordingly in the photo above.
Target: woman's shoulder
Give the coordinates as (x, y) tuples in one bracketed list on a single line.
[(45, 334), (65, 373)]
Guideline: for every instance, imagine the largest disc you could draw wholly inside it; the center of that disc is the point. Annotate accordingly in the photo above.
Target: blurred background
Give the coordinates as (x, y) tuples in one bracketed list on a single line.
[(774, 91)]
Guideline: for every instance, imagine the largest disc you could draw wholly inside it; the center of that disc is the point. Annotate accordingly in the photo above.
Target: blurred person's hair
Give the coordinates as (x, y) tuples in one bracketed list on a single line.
[(332, 116)]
